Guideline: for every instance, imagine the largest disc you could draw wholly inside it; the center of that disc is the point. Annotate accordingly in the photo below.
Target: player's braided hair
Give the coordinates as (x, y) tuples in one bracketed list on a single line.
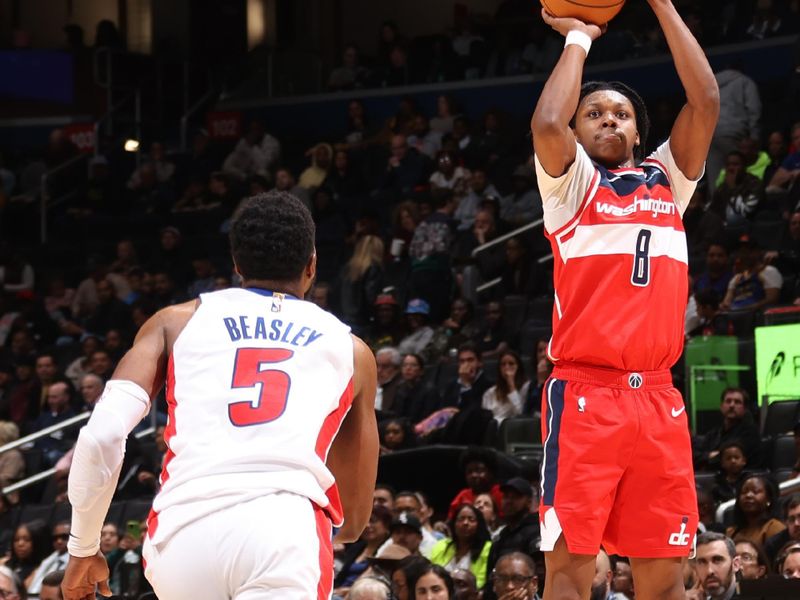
[(639, 109), (272, 237)]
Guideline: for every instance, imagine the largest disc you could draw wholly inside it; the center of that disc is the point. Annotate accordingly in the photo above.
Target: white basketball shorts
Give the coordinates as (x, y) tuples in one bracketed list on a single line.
[(275, 547)]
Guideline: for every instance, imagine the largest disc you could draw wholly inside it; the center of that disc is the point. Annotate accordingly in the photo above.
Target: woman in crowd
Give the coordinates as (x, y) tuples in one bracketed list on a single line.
[(469, 547), (405, 219), (486, 504), (753, 559), (755, 511), (396, 434), (30, 546), (360, 282), (408, 569), (354, 560), (12, 463), (506, 398), (409, 392), (432, 583)]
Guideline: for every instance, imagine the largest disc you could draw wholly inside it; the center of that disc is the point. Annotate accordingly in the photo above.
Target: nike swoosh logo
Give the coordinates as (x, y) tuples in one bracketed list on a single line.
[(676, 413)]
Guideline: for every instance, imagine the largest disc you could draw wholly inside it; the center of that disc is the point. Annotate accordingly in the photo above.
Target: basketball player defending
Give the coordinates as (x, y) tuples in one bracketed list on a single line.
[(271, 438), (617, 467)]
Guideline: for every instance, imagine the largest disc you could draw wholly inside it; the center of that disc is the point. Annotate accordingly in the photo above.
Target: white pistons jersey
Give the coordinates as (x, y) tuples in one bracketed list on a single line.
[(257, 387)]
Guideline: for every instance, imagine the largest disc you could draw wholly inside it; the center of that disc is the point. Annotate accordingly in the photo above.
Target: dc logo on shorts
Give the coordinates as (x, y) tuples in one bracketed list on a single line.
[(635, 381)]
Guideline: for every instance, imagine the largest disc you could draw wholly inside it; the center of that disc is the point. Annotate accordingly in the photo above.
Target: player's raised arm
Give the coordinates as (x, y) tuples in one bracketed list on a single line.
[(353, 458), (691, 135), (553, 139)]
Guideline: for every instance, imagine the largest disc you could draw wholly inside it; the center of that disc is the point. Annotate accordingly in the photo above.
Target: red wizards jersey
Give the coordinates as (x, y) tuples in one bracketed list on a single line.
[(620, 261)]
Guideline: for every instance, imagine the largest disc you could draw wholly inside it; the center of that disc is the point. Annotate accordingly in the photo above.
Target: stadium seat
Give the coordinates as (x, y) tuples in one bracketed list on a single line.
[(519, 433), (768, 233), (781, 417), (137, 510), (514, 308), (540, 309), (61, 512), (784, 453), (115, 513), (704, 480), (532, 332), (782, 475)]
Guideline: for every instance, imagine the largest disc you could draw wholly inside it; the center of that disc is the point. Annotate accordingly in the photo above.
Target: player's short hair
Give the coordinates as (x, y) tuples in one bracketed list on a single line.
[(272, 237), (639, 108), (709, 537)]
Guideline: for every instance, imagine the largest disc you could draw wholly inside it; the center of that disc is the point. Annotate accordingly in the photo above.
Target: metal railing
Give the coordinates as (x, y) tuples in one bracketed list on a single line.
[(44, 192), (41, 476), (790, 486), (190, 111), (505, 237)]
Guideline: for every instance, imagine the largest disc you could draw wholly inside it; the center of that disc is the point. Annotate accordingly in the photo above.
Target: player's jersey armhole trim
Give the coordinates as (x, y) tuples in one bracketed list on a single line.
[(589, 194)]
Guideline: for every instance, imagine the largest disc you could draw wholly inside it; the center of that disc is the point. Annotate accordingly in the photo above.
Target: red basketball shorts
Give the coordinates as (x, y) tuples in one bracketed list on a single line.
[(617, 465)]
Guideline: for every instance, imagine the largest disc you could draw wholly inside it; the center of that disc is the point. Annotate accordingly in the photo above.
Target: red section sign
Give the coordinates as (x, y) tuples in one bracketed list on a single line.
[(82, 135), (224, 125)]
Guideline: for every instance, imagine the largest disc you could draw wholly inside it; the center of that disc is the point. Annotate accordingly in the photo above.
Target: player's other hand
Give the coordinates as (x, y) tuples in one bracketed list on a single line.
[(564, 25), (85, 575)]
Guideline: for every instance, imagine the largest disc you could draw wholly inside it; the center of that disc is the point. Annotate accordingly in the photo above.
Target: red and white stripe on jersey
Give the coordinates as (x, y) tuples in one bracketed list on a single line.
[(620, 261)]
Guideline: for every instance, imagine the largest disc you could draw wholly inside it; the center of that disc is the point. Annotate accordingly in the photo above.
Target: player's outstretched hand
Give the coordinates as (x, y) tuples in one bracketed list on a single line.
[(85, 575), (564, 25)]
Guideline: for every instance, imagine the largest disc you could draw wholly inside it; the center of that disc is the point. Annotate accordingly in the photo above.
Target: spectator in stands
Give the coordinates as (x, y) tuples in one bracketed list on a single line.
[(388, 361), (396, 434), (171, 256), (493, 339), (506, 397), (458, 328), (91, 389), (446, 112), (603, 575), (405, 169), (30, 546), (423, 139), (411, 503), (58, 410), (712, 320), (57, 561), (521, 533), (351, 74), (433, 583), (101, 364), (467, 390), (150, 199), (204, 276), (791, 518), (354, 560), (387, 329), (756, 161), (752, 559), (776, 151), (717, 565), (406, 570), (51, 586), (737, 423), (346, 183), (16, 273), (738, 197), (80, 366), (110, 312), (479, 188), (409, 395), (739, 117), (23, 398), (732, 462), (521, 275), (757, 285), (786, 257), (255, 154), (321, 161), (514, 576), (166, 290), (787, 173), (788, 564), (10, 585), (767, 21), (396, 71), (360, 282), (469, 547), (421, 333), (717, 274), (524, 204), (109, 538), (406, 531), (384, 496), (622, 582), (163, 169), (485, 503), (58, 300), (479, 466), (449, 175), (756, 505), (46, 376), (12, 463)]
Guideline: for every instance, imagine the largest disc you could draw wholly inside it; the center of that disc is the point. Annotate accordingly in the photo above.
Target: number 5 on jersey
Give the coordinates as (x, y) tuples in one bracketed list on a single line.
[(273, 385)]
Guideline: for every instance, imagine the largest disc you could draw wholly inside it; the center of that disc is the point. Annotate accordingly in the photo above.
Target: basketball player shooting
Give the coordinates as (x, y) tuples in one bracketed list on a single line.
[(617, 466), (272, 440)]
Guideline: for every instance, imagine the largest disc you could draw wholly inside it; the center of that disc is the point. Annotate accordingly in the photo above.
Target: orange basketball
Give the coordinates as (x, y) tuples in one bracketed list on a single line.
[(598, 12)]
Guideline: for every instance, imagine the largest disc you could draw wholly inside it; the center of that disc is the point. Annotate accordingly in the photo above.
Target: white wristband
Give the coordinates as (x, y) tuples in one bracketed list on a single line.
[(579, 38)]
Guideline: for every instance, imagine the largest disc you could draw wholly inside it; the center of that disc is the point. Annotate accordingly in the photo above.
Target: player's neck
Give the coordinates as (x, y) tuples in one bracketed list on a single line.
[(294, 288), (628, 163)]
